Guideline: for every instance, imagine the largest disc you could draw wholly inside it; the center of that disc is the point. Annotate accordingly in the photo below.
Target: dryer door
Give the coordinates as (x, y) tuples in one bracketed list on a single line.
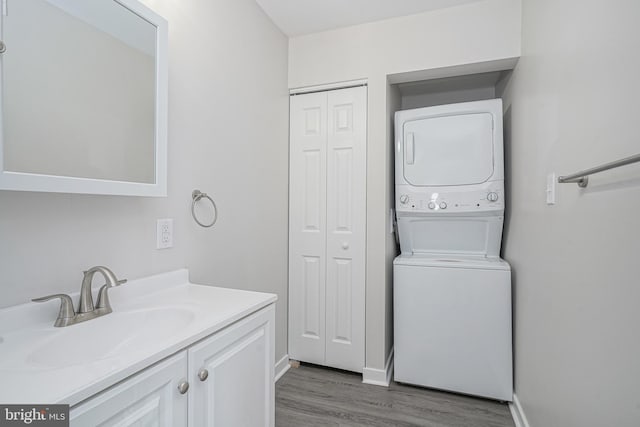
[(449, 150)]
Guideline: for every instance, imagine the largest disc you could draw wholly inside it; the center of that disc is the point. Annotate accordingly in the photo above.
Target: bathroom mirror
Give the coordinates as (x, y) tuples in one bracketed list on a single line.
[(84, 97)]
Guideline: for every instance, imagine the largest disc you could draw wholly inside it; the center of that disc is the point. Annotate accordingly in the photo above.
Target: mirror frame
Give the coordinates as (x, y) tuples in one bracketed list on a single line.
[(20, 181)]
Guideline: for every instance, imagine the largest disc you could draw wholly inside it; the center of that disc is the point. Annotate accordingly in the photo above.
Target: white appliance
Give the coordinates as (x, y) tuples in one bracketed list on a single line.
[(452, 292)]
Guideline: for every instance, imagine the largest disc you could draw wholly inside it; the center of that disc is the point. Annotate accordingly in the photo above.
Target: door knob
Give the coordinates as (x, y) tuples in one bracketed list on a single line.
[(345, 245), (183, 387), (203, 374)]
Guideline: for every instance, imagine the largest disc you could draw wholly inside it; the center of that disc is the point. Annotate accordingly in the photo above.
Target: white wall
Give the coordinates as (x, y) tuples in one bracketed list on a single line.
[(228, 136), (392, 249), (572, 103), (447, 97), (479, 32), (476, 32)]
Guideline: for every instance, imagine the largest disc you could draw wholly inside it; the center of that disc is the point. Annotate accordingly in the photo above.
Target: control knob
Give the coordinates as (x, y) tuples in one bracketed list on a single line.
[(404, 199), (492, 197), (431, 205), (443, 205)]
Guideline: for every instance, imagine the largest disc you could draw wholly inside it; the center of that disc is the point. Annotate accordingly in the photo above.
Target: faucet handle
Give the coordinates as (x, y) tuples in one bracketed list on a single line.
[(103, 304), (66, 313)]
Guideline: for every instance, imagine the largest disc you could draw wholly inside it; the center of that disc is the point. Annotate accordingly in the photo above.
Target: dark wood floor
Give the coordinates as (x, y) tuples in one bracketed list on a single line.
[(316, 396)]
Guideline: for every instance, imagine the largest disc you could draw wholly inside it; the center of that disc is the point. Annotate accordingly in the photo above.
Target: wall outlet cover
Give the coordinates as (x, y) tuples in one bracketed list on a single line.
[(164, 233)]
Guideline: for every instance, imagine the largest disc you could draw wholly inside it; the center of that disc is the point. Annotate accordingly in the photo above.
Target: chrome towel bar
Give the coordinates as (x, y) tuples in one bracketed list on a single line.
[(582, 178)]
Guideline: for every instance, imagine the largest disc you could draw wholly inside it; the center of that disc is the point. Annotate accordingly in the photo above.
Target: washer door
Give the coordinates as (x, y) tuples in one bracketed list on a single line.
[(449, 150)]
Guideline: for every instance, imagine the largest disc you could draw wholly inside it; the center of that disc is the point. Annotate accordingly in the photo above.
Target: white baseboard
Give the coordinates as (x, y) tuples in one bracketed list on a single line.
[(517, 413), (381, 377), (282, 366)]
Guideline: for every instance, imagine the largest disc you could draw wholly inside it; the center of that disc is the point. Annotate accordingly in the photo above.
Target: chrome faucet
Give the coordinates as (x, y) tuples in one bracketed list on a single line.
[(86, 310), (86, 298)]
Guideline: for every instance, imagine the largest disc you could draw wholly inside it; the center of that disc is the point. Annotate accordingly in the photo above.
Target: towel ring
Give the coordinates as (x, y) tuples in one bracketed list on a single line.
[(196, 195)]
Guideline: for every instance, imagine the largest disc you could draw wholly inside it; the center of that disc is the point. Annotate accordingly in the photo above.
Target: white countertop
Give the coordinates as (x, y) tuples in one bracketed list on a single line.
[(152, 318)]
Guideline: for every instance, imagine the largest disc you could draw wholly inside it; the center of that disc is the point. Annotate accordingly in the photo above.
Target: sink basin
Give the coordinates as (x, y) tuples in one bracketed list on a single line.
[(154, 319), (103, 338)]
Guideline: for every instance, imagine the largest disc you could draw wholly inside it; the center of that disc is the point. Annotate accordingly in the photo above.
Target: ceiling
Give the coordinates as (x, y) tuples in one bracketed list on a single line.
[(297, 17)]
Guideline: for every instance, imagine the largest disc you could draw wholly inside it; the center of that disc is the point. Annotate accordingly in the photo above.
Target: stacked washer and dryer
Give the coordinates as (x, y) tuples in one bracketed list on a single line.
[(452, 292)]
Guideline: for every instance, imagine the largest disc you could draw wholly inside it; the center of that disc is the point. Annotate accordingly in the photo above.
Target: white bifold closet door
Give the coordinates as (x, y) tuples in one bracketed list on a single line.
[(327, 228)]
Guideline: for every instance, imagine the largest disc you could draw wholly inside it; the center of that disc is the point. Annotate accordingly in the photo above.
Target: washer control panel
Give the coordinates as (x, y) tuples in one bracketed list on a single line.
[(430, 201)]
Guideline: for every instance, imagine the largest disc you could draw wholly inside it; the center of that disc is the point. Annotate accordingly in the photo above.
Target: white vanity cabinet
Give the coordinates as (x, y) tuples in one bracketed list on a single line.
[(150, 398), (230, 376)]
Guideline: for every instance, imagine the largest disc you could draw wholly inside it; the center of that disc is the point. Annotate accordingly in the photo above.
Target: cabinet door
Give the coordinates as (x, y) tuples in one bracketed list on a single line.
[(150, 398), (239, 388), (307, 226), (346, 228)]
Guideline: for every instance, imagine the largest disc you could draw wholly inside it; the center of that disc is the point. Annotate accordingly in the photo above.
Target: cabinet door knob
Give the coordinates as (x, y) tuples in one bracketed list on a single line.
[(345, 245), (183, 387), (203, 374)]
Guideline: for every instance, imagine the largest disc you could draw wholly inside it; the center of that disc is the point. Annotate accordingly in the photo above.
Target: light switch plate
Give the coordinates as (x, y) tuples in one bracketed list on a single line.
[(551, 188), (164, 233)]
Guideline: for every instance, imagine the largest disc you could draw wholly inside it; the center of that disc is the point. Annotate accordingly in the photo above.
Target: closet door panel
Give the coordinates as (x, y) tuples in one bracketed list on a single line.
[(307, 226), (346, 228)]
